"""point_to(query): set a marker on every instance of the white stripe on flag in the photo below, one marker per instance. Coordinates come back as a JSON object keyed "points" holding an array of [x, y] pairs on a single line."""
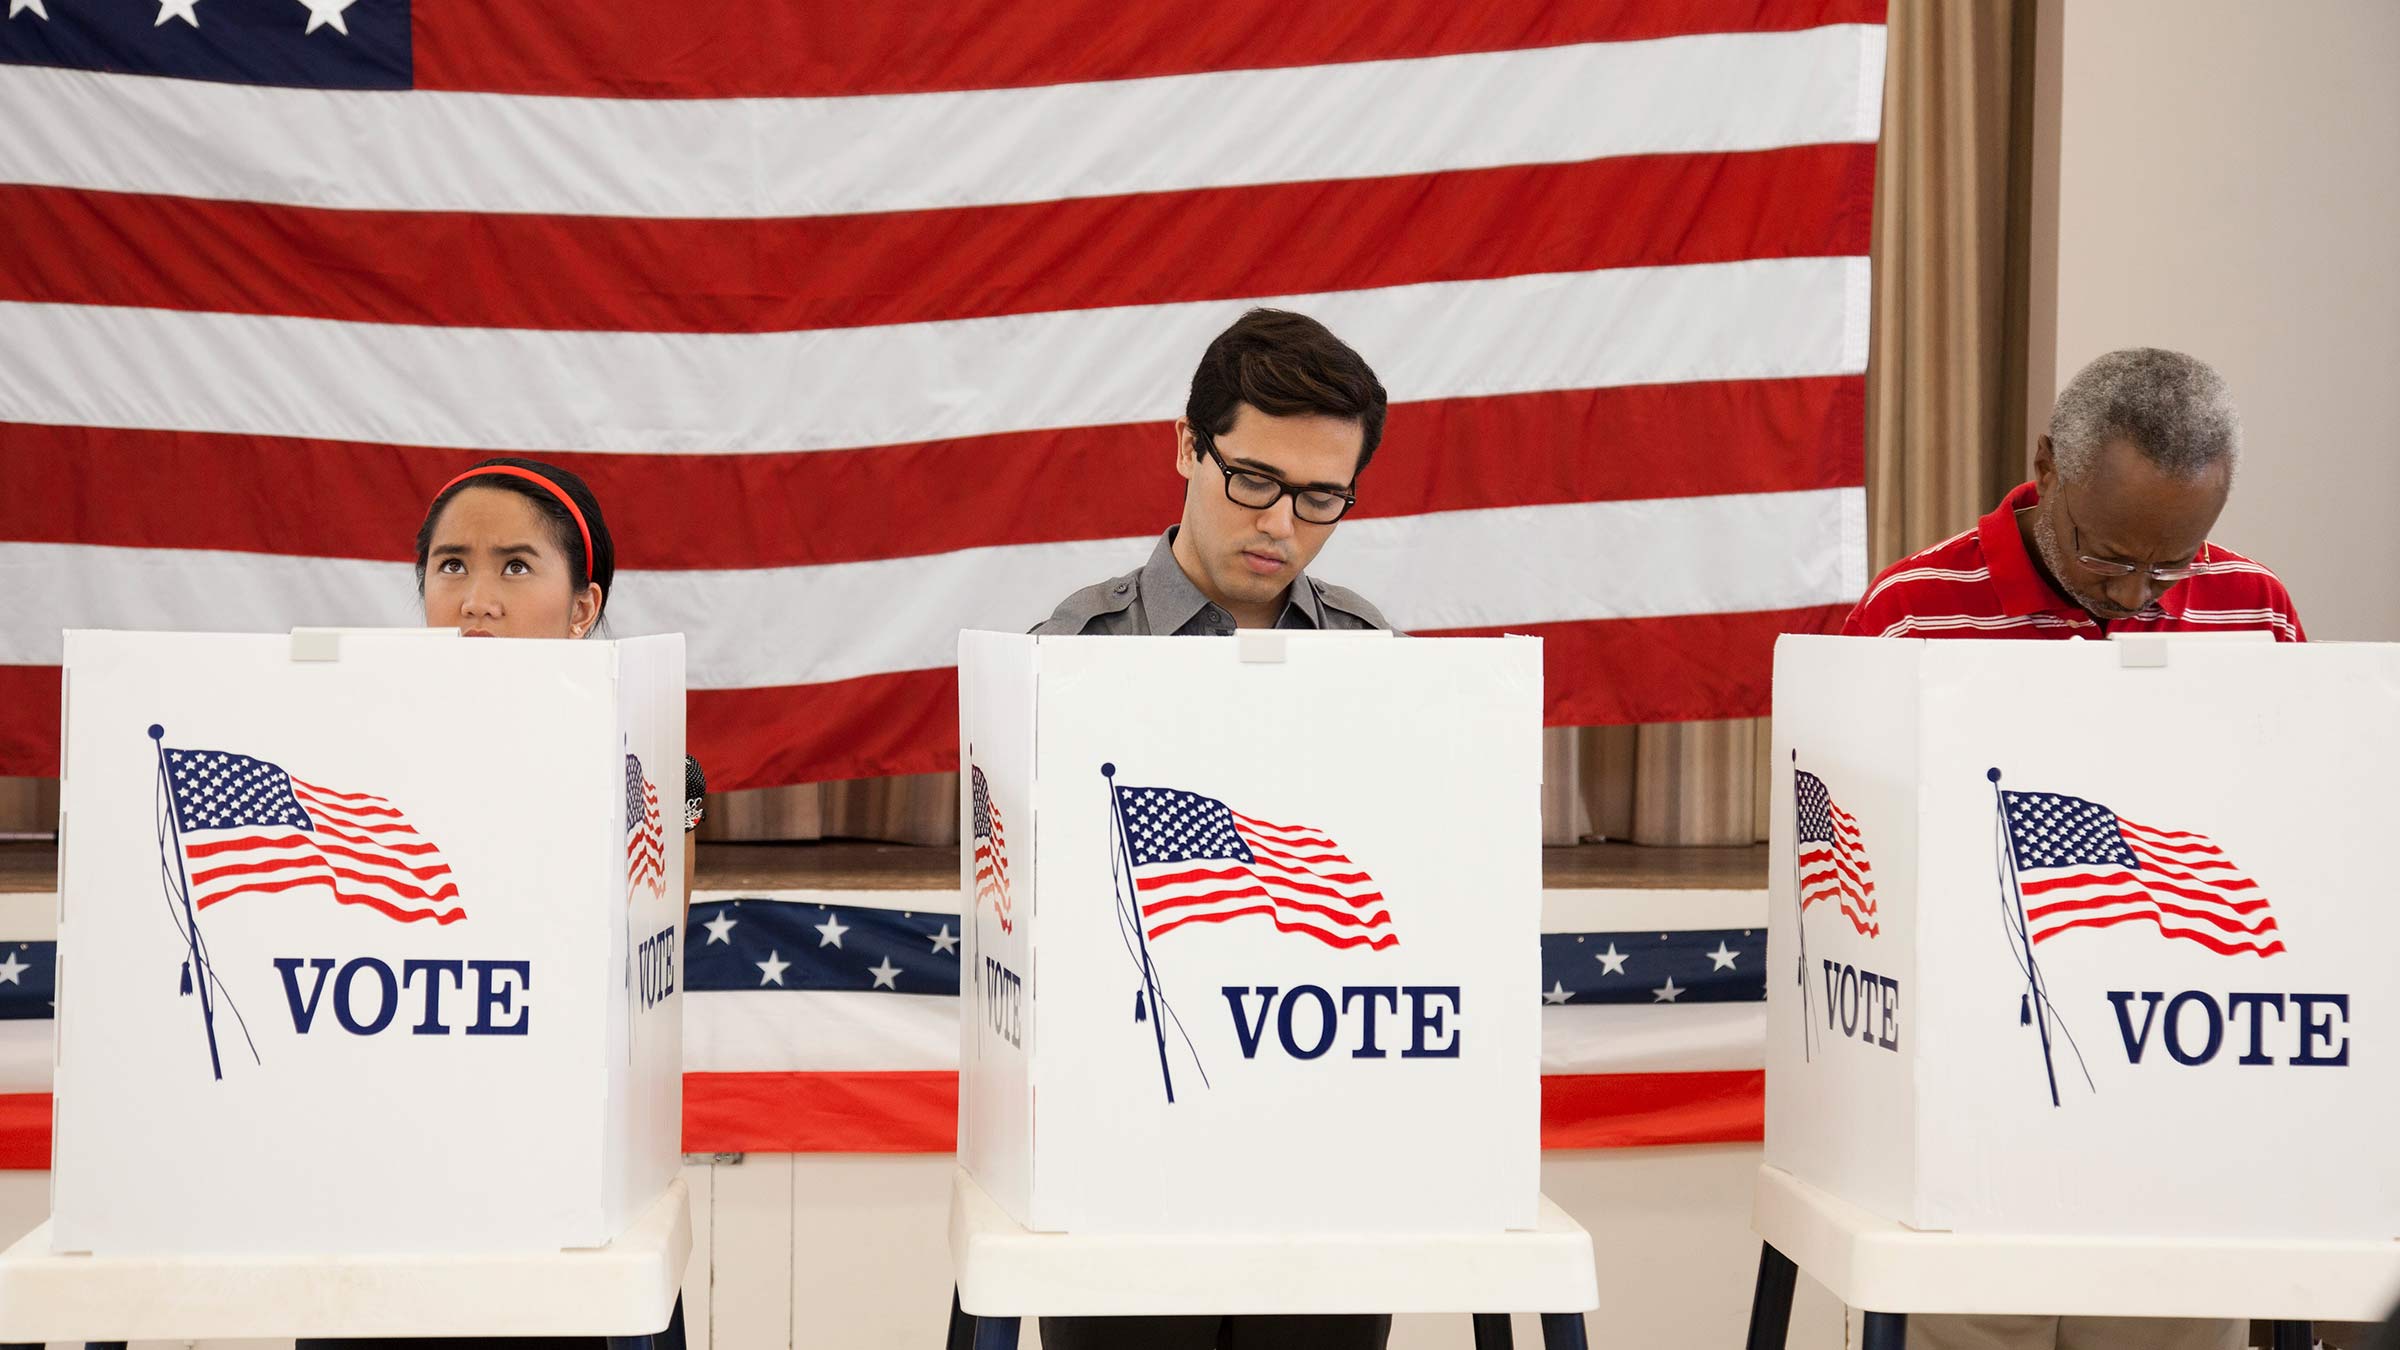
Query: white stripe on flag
{"points": [[536, 390], [1535, 564], [830, 156]]}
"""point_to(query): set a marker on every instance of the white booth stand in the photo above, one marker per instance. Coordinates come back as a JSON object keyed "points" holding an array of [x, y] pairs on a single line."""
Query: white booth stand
{"points": [[367, 1018], [1249, 1022], [2084, 952]]}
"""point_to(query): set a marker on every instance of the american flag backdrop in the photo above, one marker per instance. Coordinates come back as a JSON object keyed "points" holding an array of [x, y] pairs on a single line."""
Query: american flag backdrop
{"points": [[1195, 860], [866, 322], [248, 827], [2080, 865]]}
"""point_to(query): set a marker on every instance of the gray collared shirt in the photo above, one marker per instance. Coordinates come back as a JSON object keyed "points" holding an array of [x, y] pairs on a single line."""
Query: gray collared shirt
{"points": [[1158, 600]]}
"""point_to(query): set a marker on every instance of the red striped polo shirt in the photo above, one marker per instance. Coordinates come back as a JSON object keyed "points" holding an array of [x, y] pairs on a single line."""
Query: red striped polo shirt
{"points": [[1984, 584]]}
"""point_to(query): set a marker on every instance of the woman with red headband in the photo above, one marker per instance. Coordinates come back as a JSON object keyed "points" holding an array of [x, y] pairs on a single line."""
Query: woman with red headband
{"points": [[517, 548]]}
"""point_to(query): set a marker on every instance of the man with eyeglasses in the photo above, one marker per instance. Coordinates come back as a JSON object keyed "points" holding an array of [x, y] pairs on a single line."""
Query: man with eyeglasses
{"points": [[2110, 537], [2112, 534], [1281, 421]]}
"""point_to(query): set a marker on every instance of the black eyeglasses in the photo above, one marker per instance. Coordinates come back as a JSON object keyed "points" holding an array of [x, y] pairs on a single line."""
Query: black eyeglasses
{"points": [[1257, 491]]}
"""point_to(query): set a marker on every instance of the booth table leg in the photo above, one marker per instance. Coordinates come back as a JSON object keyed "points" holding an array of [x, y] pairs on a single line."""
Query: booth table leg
{"points": [[2295, 1335], [969, 1332], [669, 1339], [1885, 1331], [1492, 1332], [962, 1327], [1562, 1331], [1771, 1302]]}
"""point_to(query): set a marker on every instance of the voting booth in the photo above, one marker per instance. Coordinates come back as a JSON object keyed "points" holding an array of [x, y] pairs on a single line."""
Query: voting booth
{"points": [[366, 943], [2088, 938], [1253, 932]]}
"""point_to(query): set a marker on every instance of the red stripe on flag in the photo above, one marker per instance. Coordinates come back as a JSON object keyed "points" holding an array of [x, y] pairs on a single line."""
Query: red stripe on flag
{"points": [[742, 275], [819, 48], [25, 1131], [871, 727], [1637, 1110], [861, 1112], [1274, 914], [1682, 668], [29, 718], [203, 490]]}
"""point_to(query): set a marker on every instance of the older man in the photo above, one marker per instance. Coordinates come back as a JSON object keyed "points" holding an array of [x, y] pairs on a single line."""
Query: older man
{"points": [[2112, 534], [2110, 537]]}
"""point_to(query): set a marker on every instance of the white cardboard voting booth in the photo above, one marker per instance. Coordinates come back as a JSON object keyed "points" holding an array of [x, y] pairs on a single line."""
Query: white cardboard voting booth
{"points": [[1253, 932], [366, 942], [2137, 984]]}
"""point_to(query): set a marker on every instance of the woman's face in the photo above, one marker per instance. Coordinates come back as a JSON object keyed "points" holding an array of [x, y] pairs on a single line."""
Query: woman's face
{"points": [[494, 569]]}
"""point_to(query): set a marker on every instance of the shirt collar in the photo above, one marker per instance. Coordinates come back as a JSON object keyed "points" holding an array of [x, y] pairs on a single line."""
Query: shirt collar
{"points": [[2019, 584], [1171, 600]]}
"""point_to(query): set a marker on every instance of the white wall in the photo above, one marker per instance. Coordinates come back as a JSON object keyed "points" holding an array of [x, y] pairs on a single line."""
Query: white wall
{"points": [[2223, 177], [848, 1251]]}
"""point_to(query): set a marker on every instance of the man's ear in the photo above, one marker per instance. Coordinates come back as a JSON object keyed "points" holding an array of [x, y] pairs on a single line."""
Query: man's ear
{"points": [[2045, 467], [1187, 449]]}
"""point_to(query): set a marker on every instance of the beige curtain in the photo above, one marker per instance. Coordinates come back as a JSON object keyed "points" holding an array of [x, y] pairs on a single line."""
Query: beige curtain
{"points": [[1945, 437]]}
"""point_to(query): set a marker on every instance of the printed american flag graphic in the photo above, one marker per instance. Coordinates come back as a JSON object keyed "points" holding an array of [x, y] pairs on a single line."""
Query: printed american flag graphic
{"points": [[2081, 865], [248, 827], [991, 854], [875, 313], [1833, 859], [645, 837], [1196, 860]]}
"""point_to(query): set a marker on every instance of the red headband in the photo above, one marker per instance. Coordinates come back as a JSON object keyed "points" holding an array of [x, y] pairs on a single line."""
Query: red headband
{"points": [[512, 471]]}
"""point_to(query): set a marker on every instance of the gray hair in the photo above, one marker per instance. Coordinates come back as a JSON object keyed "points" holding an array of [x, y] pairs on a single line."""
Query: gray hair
{"points": [[2169, 406]]}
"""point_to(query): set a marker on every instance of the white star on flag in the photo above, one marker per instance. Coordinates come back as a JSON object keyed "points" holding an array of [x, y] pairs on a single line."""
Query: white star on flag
{"points": [[1612, 961], [1722, 956], [720, 928], [1666, 993], [771, 970], [179, 9], [945, 940], [16, 7], [11, 968], [829, 933], [323, 12], [884, 974], [1558, 993]]}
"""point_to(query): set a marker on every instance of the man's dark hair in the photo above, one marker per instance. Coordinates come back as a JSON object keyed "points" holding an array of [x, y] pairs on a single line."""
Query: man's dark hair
{"points": [[1285, 365]]}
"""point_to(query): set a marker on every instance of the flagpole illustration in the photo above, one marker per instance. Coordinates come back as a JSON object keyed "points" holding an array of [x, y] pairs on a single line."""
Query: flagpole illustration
{"points": [[1124, 846], [1808, 1016], [2037, 1004], [197, 970]]}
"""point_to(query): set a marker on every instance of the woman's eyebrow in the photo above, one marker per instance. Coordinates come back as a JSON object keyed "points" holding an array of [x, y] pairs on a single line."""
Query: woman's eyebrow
{"points": [[461, 550]]}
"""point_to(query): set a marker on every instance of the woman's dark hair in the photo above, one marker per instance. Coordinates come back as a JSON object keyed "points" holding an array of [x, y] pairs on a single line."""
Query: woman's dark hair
{"points": [[600, 568], [1285, 365]]}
